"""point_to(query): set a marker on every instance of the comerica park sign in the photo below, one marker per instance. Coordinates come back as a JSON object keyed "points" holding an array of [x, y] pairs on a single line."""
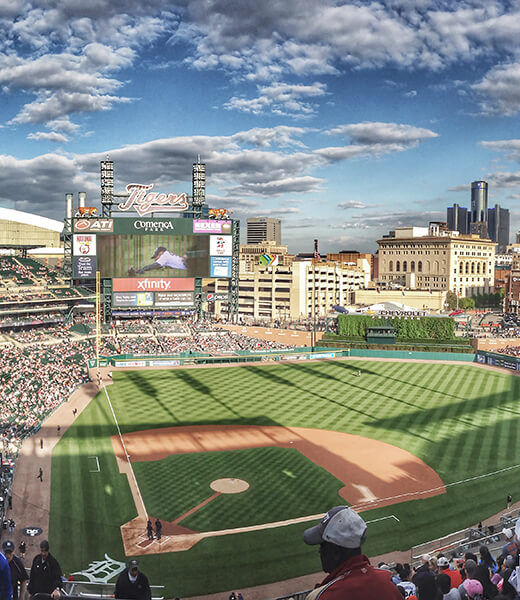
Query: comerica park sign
{"points": [[145, 202]]}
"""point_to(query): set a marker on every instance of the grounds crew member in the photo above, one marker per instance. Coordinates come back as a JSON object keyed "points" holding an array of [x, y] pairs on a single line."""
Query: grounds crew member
{"points": [[132, 584], [340, 536], [19, 575], [45, 577]]}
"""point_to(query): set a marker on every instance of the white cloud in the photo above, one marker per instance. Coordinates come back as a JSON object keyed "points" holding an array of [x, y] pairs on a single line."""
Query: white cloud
{"points": [[511, 148], [376, 133], [51, 136], [500, 90], [263, 137], [354, 204], [280, 98]]}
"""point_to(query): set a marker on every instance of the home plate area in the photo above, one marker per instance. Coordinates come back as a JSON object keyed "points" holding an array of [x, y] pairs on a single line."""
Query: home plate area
{"points": [[374, 473]]}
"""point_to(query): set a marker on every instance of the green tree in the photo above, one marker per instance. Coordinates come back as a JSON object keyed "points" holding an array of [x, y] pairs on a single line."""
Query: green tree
{"points": [[466, 303], [451, 300]]}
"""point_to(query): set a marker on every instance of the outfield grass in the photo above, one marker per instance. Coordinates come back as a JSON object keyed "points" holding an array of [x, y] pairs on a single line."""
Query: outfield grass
{"points": [[461, 420]]}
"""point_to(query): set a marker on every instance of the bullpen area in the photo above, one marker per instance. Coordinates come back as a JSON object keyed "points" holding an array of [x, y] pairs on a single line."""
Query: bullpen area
{"points": [[236, 462]]}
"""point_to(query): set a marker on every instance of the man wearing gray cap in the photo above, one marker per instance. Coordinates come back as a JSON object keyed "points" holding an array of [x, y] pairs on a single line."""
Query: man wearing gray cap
{"points": [[350, 574]]}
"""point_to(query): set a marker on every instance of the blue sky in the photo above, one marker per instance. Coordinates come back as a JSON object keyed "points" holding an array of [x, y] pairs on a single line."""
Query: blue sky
{"points": [[345, 120]]}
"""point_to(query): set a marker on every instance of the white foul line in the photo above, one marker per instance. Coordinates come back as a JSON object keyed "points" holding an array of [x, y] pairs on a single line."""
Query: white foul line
{"points": [[126, 452]]}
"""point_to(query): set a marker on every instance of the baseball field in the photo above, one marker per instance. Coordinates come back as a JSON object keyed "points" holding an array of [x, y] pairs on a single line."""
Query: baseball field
{"points": [[236, 462]]}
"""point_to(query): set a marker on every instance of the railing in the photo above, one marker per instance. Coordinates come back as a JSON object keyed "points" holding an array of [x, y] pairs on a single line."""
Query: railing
{"points": [[469, 539]]}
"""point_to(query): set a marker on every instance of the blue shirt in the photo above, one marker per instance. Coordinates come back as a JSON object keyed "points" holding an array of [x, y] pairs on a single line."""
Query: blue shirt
{"points": [[6, 589]]}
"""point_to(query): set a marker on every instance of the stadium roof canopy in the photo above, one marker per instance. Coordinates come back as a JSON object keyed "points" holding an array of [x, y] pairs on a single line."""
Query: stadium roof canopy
{"points": [[9, 214]]}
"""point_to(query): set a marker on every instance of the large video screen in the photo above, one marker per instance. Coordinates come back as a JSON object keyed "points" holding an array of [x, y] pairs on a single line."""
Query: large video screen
{"points": [[155, 255]]}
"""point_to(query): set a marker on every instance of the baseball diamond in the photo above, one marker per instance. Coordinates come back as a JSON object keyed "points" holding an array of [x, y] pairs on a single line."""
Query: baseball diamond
{"points": [[404, 442]]}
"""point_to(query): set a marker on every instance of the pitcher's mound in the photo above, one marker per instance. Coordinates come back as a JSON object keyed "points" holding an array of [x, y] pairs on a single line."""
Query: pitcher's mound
{"points": [[229, 485]]}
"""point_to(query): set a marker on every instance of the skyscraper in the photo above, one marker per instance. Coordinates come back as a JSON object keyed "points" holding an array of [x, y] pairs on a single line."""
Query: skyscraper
{"points": [[479, 198], [264, 229], [458, 219], [498, 226]]}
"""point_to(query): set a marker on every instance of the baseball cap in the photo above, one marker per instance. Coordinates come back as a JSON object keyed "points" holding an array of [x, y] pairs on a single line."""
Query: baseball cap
{"points": [[157, 250], [44, 545], [508, 534], [341, 526], [472, 587], [133, 563], [442, 561], [8, 546]]}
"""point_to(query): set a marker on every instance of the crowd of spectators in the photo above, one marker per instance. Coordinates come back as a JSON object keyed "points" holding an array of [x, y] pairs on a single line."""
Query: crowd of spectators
{"points": [[40, 368], [472, 576], [509, 350]]}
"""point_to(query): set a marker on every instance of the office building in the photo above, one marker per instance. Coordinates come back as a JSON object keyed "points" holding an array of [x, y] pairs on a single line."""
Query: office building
{"points": [[264, 229], [479, 200], [458, 219], [266, 253], [498, 226], [428, 258], [303, 289]]}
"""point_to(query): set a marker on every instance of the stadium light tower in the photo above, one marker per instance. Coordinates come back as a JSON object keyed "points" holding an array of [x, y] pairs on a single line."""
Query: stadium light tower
{"points": [[107, 186], [198, 182]]}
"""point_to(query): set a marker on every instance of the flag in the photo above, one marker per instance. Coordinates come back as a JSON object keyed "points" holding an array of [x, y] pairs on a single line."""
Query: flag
{"points": [[317, 255]]}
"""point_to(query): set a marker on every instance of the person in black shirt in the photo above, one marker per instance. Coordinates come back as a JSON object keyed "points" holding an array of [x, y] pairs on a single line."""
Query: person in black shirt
{"points": [[18, 573], [132, 584], [46, 573]]}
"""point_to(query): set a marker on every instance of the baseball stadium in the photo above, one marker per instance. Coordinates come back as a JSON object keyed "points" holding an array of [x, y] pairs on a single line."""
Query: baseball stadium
{"points": [[134, 427]]}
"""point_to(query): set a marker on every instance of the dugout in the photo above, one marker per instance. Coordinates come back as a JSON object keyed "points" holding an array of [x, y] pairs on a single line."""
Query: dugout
{"points": [[381, 335]]}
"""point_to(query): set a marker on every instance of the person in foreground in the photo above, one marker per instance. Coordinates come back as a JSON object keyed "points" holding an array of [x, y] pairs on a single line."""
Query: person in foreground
{"points": [[350, 575], [132, 584]]}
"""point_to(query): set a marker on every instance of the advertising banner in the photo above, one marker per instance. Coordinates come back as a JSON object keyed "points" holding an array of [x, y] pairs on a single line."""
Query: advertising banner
{"points": [[174, 299], [102, 225], [268, 260], [84, 267], [153, 284], [146, 226], [220, 266], [84, 245], [133, 299], [221, 245], [124, 299], [211, 226]]}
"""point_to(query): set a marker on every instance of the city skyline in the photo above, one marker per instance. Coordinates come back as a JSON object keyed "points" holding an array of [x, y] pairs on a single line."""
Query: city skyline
{"points": [[343, 120]]}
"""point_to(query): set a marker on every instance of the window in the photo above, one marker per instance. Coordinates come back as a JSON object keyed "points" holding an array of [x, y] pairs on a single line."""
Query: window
{"points": [[412, 266], [405, 265], [397, 266], [391, 265], [419, 266]]}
